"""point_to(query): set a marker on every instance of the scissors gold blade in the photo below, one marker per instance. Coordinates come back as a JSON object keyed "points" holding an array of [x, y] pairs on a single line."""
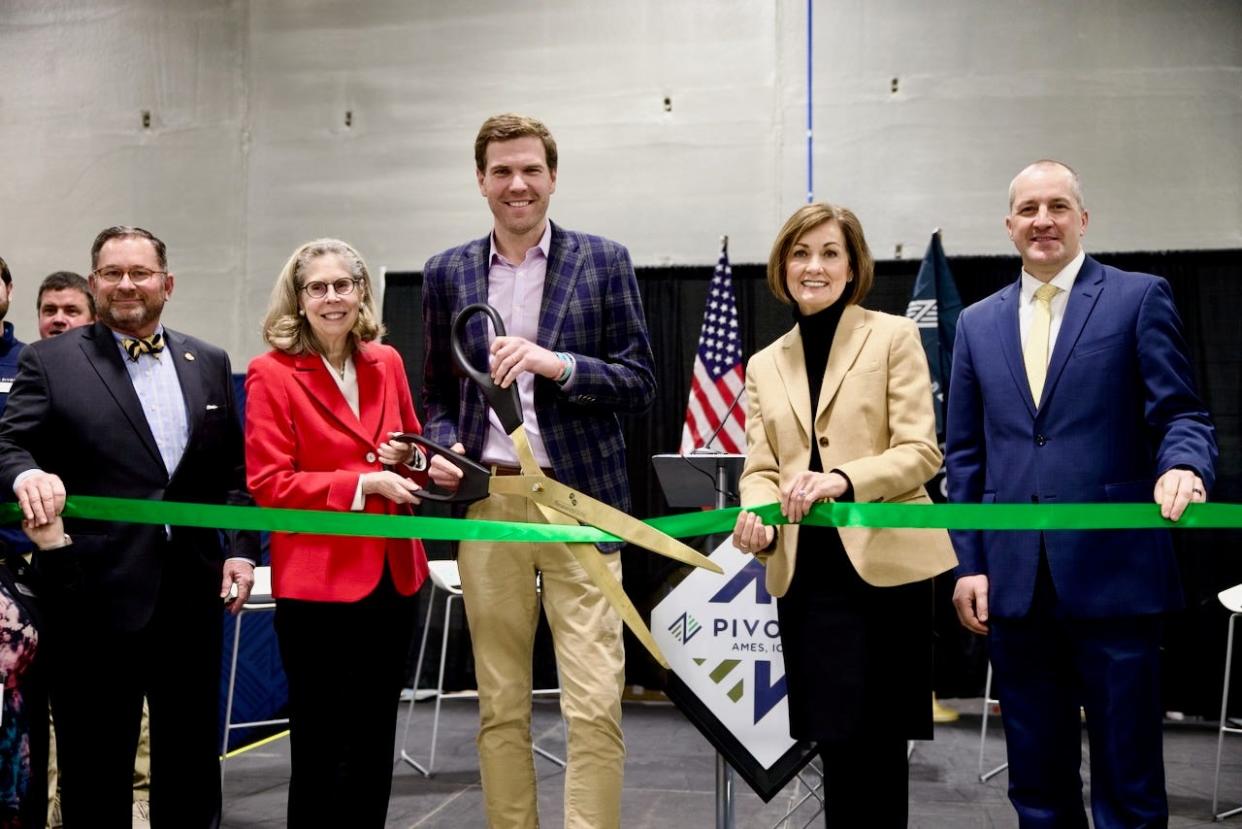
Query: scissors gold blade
{"points": [[584, 509], [553, 498]]}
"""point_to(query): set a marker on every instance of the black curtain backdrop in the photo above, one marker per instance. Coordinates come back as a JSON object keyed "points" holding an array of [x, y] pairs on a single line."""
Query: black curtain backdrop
{"points": [[1208, 292]]}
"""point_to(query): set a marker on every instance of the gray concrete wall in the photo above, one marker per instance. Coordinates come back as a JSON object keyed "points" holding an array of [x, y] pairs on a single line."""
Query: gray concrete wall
{"points": [[248, 153]]}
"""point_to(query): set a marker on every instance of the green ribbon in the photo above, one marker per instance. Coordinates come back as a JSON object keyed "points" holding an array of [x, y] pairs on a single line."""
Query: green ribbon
{"points": [[837, 514]]}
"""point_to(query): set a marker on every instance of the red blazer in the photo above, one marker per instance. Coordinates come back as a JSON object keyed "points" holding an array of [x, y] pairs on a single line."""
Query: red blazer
{"points": [[305, 450]]}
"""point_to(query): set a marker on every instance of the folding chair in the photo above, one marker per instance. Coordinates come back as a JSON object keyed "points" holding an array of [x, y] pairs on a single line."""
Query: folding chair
{"points": [[446, 579], [259, 601]]}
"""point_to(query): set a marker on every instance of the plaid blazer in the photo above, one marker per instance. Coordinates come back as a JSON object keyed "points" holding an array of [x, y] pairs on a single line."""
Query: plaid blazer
{"points": [[590, 308]]}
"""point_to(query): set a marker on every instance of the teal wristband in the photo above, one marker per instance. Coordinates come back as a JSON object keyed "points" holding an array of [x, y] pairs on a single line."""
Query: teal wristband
{"points": [[567, 367]]}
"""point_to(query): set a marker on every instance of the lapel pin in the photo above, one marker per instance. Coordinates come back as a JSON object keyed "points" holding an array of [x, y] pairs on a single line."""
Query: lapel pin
{"points": [[189, 356]]}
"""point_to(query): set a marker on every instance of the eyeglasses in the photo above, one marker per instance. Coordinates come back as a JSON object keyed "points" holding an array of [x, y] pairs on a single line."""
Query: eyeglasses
{"points": [[136, 275], [319, 290]]}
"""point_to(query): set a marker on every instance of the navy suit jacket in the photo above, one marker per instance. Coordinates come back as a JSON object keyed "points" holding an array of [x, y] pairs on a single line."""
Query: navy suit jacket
{"points": [[1119, 409], [73, 411], [590, 308]]}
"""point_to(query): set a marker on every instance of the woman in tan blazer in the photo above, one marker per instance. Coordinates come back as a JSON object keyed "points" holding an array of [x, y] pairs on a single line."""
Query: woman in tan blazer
{"points": [[841, 408]]}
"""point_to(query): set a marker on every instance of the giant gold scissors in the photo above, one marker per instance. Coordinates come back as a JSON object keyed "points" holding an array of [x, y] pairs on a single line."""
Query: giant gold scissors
{"points": [[550, 495]]}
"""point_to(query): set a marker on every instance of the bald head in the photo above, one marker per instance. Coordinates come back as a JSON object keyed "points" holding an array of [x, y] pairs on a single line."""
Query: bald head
{"points": [[1049, 165]]}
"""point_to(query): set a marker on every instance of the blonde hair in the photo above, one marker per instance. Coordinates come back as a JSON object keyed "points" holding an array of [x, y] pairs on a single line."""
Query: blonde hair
{"points": [[807, 218], [284, 329]]}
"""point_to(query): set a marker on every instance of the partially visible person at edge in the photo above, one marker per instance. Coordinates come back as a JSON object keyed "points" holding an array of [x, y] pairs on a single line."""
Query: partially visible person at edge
{"points": [[841, 408], [23, 709], [10, 346], [578, 352], [24, 750], [1072, 384], [321, 409]]}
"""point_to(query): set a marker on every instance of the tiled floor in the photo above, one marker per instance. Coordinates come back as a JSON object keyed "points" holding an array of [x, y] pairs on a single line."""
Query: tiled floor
{"points": [[670, 776]]}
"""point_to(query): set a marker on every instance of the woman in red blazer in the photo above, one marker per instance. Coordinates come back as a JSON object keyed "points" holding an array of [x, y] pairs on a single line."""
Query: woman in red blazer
{"points": [[320, 410]]}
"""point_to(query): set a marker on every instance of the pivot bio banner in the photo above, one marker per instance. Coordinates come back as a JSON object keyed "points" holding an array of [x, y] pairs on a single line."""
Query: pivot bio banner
{"points": [[722, 639]]}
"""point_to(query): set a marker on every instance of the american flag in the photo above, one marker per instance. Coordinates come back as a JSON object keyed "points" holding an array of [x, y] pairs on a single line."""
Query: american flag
{"points": [[718, 390]]}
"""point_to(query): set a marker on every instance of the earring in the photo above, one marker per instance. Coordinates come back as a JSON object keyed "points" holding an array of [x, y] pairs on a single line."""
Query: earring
{"points": [[301, 312]]}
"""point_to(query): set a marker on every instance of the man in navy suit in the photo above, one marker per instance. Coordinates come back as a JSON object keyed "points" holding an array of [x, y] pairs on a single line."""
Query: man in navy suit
{"points": [[132, 409], [1073, 385], [578, 350]]}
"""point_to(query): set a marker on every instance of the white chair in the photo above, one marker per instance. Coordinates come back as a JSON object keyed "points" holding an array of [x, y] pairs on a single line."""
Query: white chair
{"points": [[1232, 600], [260, 601], [445, 578], [988, 702]]}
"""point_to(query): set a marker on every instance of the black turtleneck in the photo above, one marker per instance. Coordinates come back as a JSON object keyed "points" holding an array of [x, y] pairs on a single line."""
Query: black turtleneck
{"points": [[817, 331]]}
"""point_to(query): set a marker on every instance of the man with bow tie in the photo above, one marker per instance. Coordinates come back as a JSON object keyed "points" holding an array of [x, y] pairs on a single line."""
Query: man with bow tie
{"points": [[129, 408]]}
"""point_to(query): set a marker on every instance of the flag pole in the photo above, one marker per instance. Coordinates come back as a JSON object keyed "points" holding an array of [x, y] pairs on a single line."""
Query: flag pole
{"points": [[716, 407], [941, 713]]}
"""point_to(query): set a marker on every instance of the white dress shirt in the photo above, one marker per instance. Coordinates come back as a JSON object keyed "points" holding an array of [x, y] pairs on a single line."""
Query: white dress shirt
{"points": [[347, 382]]}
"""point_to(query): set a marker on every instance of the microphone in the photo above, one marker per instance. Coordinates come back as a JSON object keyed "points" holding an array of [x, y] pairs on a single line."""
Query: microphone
{"points": [[704, 449]]}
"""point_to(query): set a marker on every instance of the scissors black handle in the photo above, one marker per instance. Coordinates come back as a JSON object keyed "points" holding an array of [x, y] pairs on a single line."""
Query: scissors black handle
{"points": [[504, 402], [475, 481]]}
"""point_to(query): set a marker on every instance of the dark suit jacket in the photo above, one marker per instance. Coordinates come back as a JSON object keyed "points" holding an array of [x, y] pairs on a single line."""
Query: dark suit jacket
{"points": [[1119, 409], [592, 309], [73, 412]]}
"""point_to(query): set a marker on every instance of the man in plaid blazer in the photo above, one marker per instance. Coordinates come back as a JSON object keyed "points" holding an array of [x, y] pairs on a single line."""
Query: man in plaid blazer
{"points": [[577, 347]]}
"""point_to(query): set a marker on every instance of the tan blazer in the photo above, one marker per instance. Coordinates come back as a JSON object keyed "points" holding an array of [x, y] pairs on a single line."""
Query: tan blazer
{"points": [[874, 422]]}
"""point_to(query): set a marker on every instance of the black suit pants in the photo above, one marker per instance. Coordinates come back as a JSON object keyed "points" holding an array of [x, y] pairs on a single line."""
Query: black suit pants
{"points": [[346, 663], [98, 678], [866, 782]]}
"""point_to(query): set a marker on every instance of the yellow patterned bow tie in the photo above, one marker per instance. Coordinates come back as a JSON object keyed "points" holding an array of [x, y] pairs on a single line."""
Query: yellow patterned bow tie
{"points": [[135, 348]]}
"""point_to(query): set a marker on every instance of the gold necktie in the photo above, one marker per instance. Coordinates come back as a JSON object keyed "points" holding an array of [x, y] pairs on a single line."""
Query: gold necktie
{"points": [[1035, 355]]}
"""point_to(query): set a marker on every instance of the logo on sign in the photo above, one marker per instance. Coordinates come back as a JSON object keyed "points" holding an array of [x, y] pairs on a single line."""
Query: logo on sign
{"points": [[736, 667], [750, 634], [684, 628]]}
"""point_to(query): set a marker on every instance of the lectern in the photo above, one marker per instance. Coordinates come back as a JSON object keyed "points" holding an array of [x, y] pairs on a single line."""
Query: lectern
{"points": [[697, 480]]}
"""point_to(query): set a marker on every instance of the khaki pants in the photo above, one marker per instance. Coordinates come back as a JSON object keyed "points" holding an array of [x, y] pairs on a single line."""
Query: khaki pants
{"points": [[498, 580], [142, 759]]}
